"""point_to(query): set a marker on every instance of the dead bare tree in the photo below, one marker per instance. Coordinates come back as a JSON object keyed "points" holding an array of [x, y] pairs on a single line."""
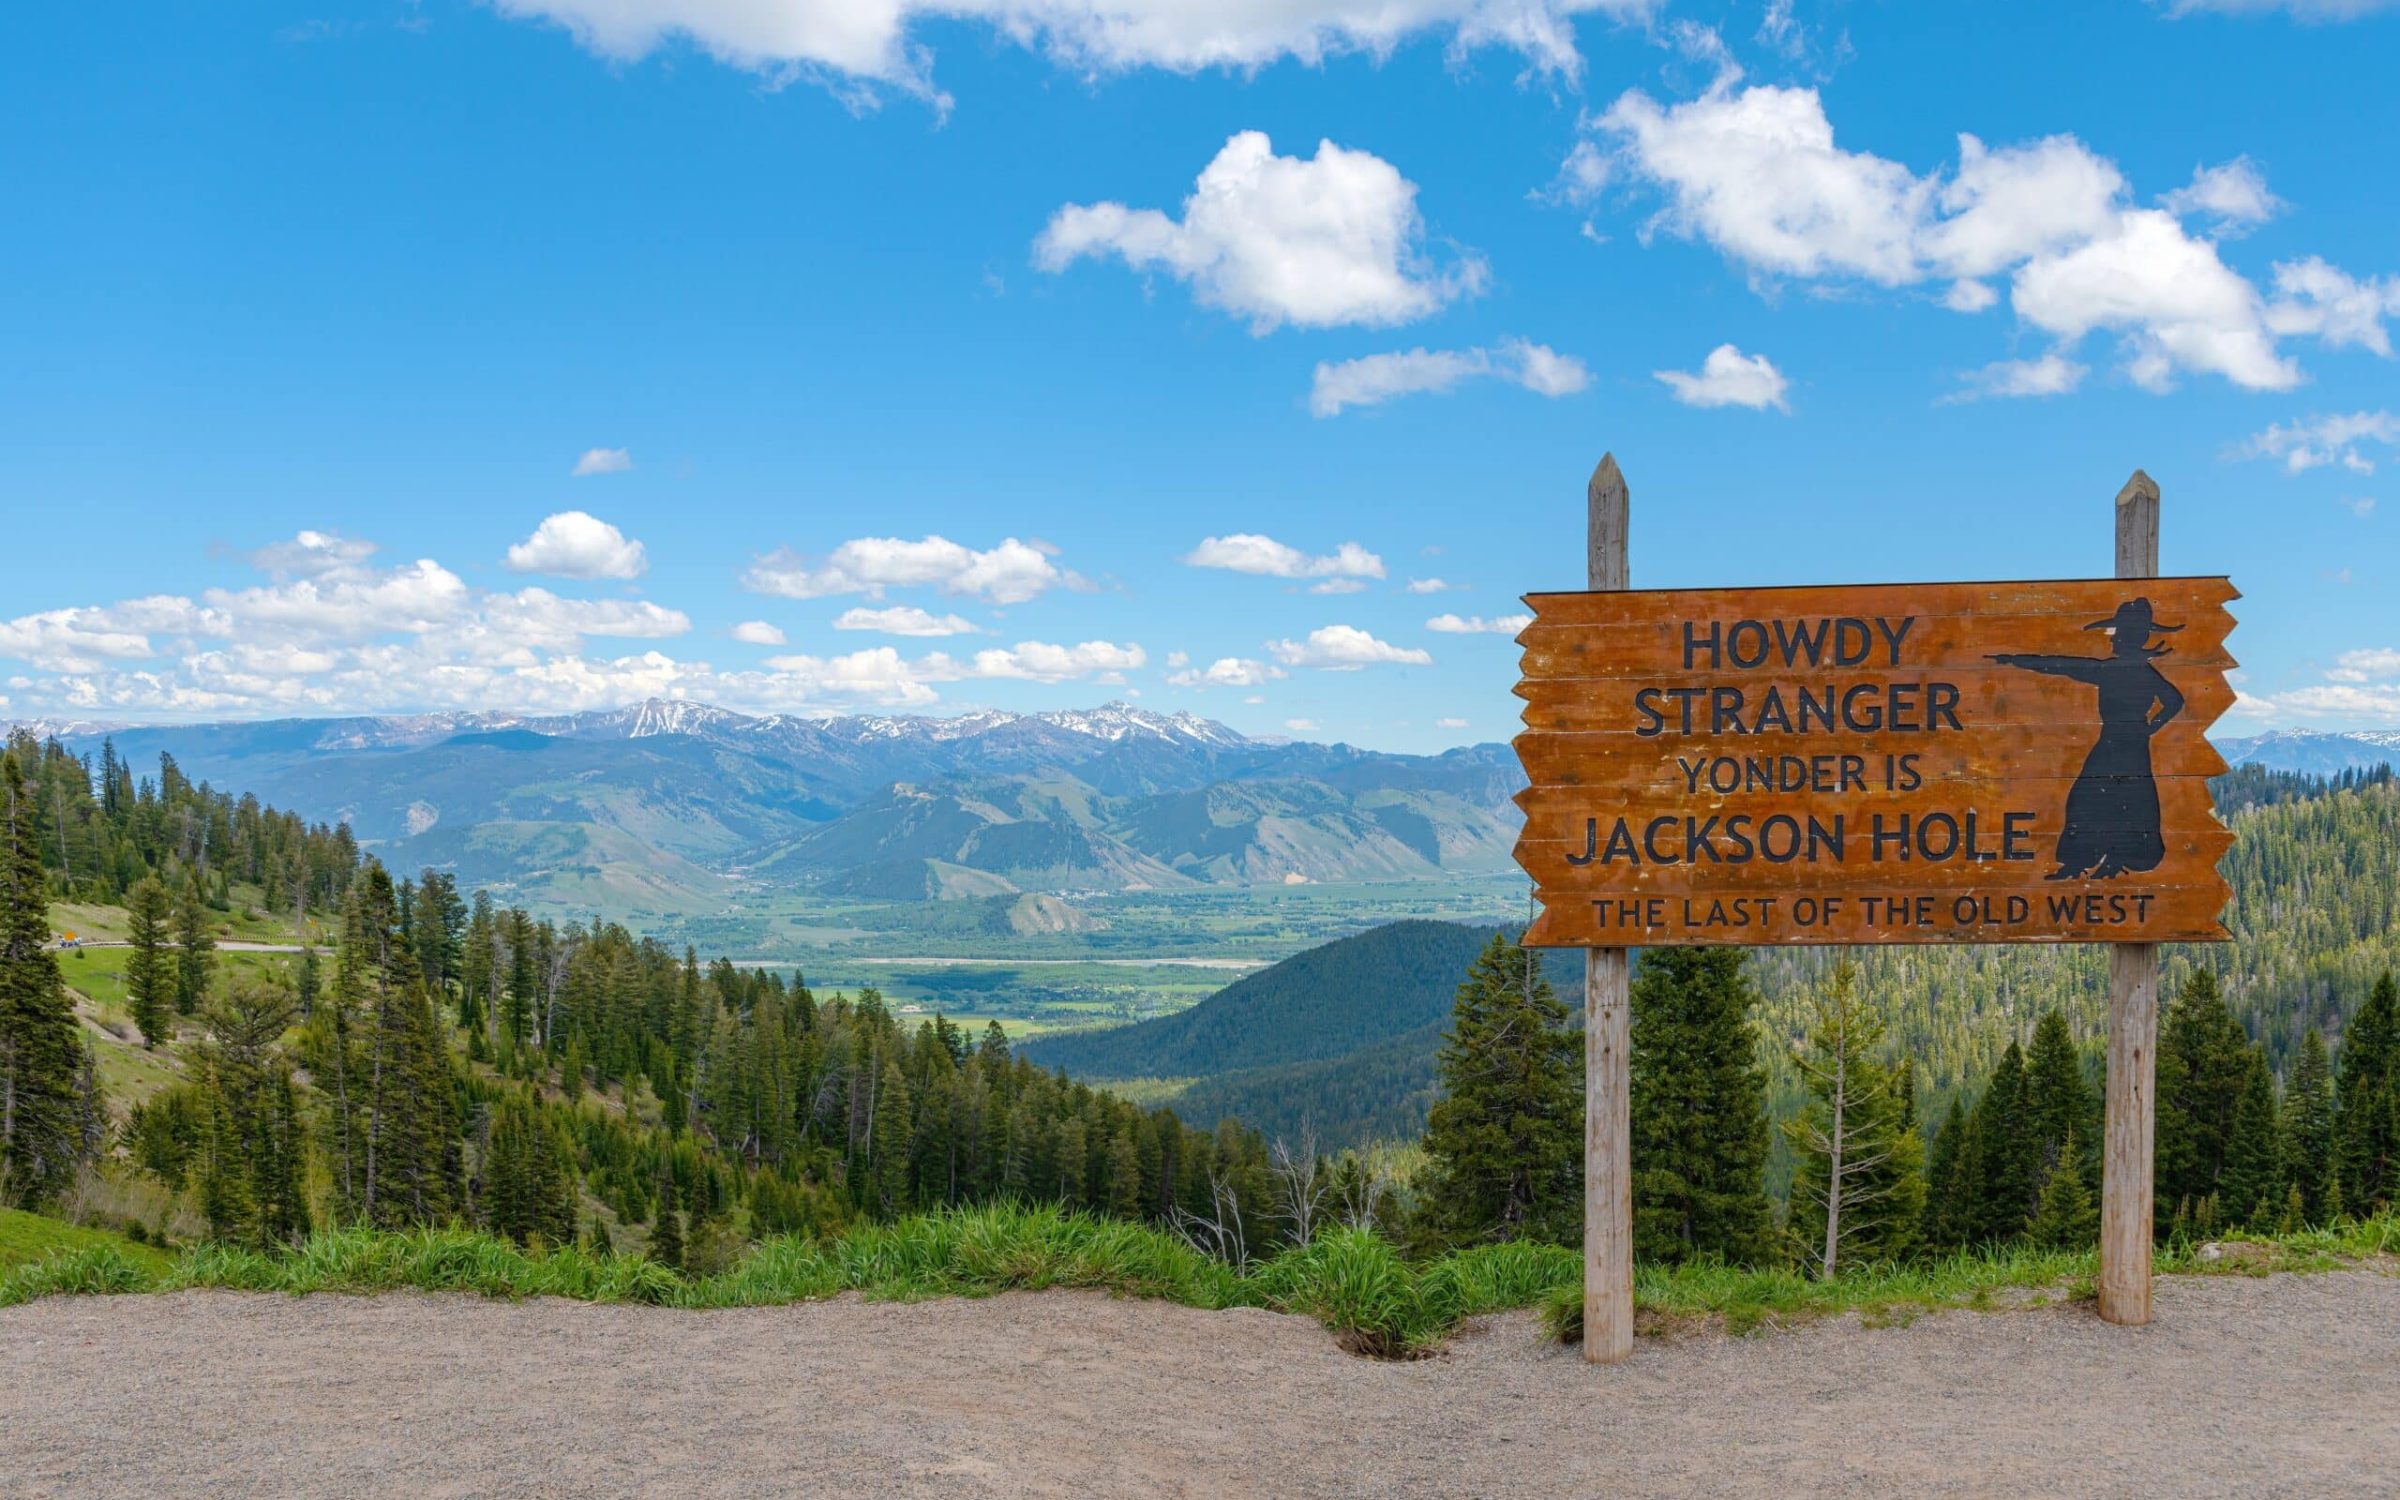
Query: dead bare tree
{"points": [[1851, 1136], [1300, 1189], [1219, 1231], [1361, 1191]]}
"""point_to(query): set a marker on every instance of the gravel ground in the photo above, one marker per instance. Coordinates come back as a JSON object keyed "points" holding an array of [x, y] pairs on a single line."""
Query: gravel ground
{"points": [[2276, 1386]]}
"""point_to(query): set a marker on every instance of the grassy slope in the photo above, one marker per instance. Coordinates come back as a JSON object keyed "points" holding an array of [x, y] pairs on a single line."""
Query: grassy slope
{"points": [[1352, 1281], [129, 1072], [29, 1239]]}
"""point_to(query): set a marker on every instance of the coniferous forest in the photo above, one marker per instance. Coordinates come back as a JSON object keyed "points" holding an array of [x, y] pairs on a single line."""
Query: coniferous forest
{"points": [[444, 1059]]}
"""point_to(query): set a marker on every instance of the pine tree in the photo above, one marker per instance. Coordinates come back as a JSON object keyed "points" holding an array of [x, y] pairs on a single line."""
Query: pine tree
{"points": [[529, 1192], [195, 948], [2059, 1103], [251, 1162], [149, 987], [1950, 1199], [2203, 1066], [1124, 1175], [1858, 1189], [2308, 1129], [892, 1135], [2251, 1190], [1699, 1110], [2066, 1217], [666, 1235], [2009, 1166], [1503, 1141], [40, 1053], [2369, 1092]]}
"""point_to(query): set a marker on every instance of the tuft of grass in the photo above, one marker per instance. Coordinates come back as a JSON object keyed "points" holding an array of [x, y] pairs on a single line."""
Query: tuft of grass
{"points": [[92, 1271]]}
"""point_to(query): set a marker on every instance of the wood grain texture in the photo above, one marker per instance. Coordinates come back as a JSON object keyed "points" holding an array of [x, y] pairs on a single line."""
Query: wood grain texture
{"points": [[1607, 1156], [1692, 745], [2129, 1126], [1607, 1026]]}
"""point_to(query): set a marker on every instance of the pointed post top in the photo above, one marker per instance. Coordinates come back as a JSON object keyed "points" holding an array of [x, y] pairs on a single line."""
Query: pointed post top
{"points": [[2137, 527], [1607, 511]]}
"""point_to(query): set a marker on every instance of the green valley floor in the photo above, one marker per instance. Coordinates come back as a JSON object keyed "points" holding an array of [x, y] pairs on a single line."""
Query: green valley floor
{"points": [[2245, 1385]]}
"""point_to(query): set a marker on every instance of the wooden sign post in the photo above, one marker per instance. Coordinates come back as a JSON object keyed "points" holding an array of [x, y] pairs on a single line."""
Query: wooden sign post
{"points": [[1889, 763]]}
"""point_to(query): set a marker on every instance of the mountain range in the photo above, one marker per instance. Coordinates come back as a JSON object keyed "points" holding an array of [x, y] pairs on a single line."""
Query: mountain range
{"points": [[675, 806], [2317, 752], [668, 806]]}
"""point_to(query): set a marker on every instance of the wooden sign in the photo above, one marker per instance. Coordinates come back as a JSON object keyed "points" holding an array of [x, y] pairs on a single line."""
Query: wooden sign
{"points": [[1901, 763]]}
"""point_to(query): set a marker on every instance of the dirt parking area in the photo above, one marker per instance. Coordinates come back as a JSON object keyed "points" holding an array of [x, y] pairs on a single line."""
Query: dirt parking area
{"points": [[2243, 1386]]}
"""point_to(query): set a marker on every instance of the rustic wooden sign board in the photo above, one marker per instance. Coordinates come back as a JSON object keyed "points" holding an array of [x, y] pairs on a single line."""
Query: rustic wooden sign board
{"points": [[1898, 763]]}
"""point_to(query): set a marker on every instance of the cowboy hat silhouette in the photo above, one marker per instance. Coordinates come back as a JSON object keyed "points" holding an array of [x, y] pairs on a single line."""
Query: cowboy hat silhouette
{"points": [[2133, 623]]}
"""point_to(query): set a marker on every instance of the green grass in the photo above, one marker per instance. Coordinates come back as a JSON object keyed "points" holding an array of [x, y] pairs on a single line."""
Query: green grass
{"points": [[1353, 1282], [29, 1239]]}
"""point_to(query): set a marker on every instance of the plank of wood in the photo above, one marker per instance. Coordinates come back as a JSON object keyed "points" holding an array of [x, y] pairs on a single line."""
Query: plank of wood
{"points": [[1652, 778], [2126, 1185], [1607, 1026], [1607, 1156]]}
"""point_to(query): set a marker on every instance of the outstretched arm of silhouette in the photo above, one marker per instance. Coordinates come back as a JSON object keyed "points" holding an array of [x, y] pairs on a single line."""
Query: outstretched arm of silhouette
{"points": [[2170, 703], [2081, 668]]}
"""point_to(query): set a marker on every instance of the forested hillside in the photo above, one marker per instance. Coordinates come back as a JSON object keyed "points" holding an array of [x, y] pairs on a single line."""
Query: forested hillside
{"points": [[1323, 1003], [454, 1061], [1344, 1035]]}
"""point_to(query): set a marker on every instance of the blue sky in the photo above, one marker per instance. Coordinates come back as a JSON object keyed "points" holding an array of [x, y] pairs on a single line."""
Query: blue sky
{"points": [[1052, 325]]}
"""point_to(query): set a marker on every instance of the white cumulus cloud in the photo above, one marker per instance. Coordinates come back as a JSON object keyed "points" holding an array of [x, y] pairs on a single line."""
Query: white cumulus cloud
{"points": [[1758, 174], [1316, 242], [1377, 378], [2234, 194], [902, 619], [1010, 573], [2051, 374], [758, 633], [1345, 648], [856, 46], [601, 461], [1477, 624], [577, 544], [1227, 671], [1263, 556], [2314, 442], [1728, 377]]}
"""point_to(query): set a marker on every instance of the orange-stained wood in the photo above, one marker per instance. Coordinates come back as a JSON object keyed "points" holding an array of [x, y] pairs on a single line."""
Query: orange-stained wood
{"points": [[1981, 762]]}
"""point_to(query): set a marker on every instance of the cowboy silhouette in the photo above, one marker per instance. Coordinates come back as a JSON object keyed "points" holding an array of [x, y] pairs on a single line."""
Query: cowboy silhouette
{"points": [[2112, 810]]}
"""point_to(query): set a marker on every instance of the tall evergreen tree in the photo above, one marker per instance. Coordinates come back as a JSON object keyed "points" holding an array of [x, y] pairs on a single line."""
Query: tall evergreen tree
{"points": [[892, 1137], [2059, 1102], [2369, 1094], [528, 1188], [40, 1054], [195, 946], [2203, 1066], [2065, 1217], [2250, 1193], [252, 1164], [1699, 1110], [1504, 1140], [149, 983], [2009, 1166], [1951, 1197], [2308, 1130]]}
